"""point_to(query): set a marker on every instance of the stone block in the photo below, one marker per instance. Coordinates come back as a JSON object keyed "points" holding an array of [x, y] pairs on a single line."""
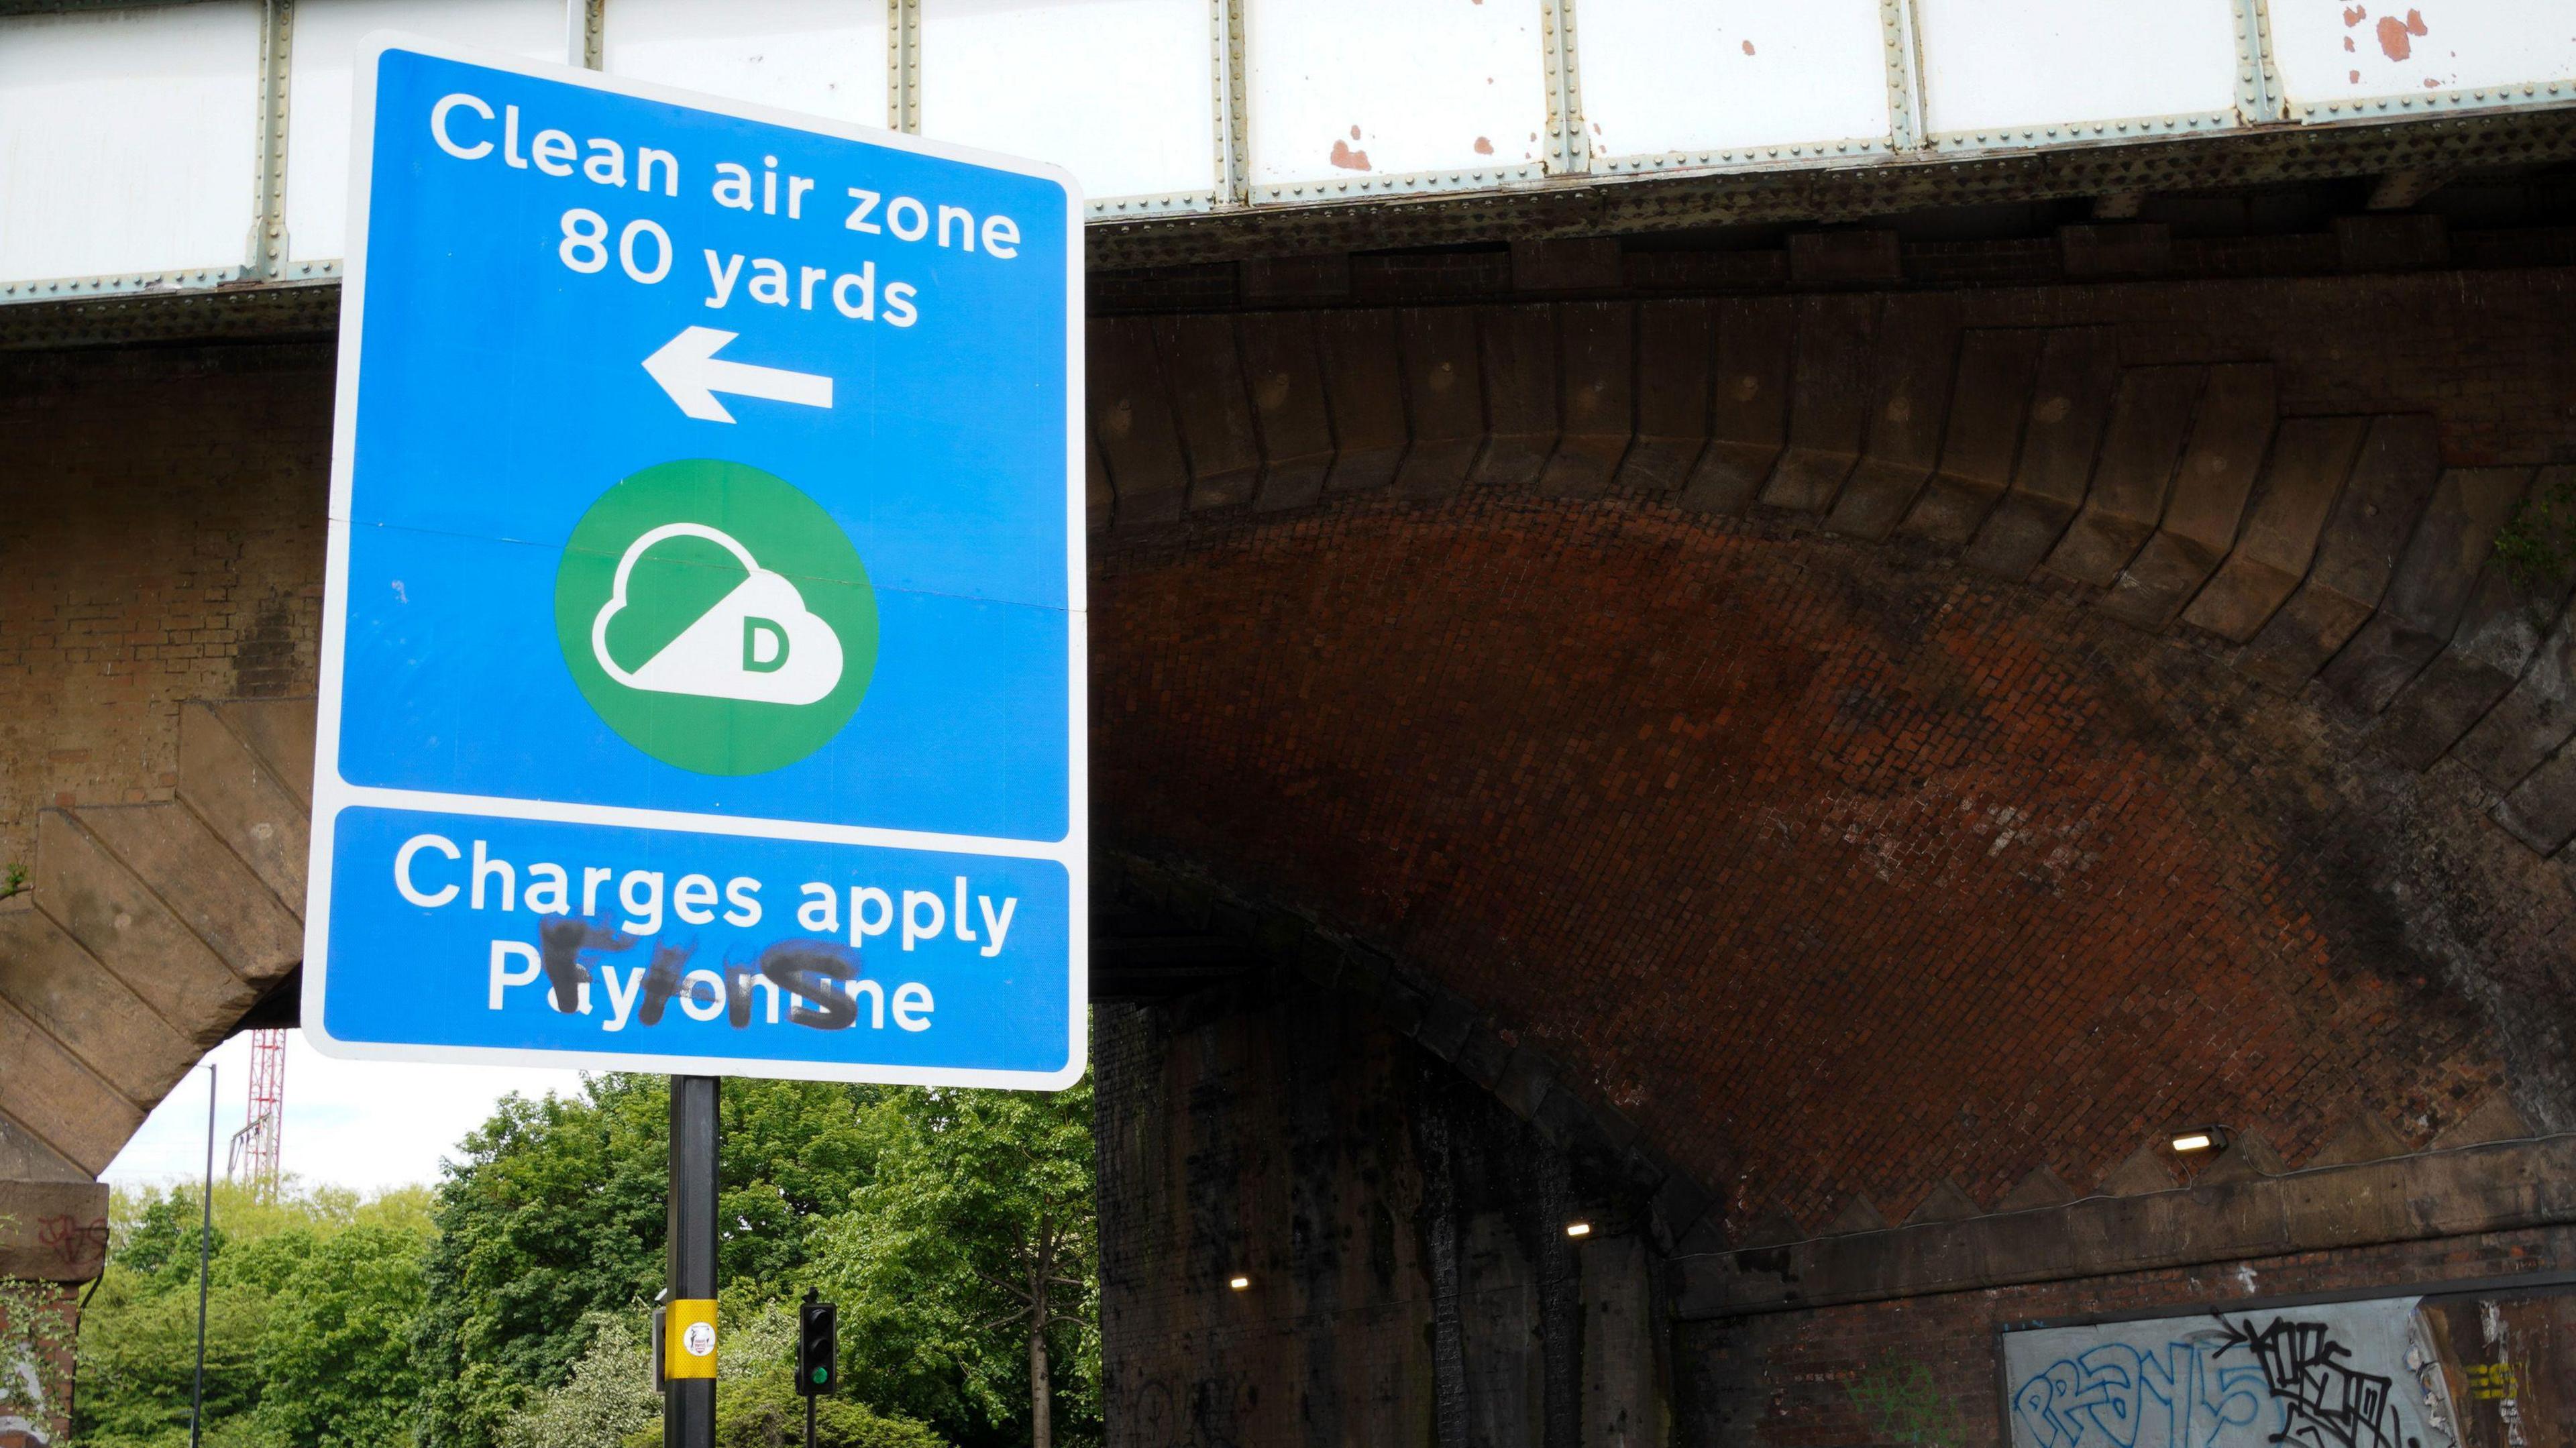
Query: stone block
{"points": [[1444, 397], [1916, 348], [1988, 403], [115, 917], [2497, 637], [65, 992], [1446, 1023], [58, 1100], [1748, 408], [1211, 406], [2041, 1188], [1521, 422], [1526, 1078], [279, 731], [2079, 370], [243, 801], [2492, 1120], [2311, 458], [52, 1231], [1562, 1121], [209, 888], [1857, 1214], [1566, 264], [1829, 396], [2246, 1157], [2143, 1171], [1400, 1005], [1674, 358], [1364, 393], [2141, 447], [2430, 588], [1482, 1056], [2535, 718], [1131, 419], [2541, 810], [1946, 1202], [1286, 377], [1596, 405], [1680, 1203], [2391, 480], [1615, 1131], [23, 1157], [2230, 431]]}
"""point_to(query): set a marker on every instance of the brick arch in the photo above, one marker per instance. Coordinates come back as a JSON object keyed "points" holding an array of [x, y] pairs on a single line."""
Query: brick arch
{"points": [[1888, 776]]}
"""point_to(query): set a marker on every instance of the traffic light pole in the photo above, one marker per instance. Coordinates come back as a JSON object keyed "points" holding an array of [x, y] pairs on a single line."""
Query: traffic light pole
{"points": [[689, 1356]]}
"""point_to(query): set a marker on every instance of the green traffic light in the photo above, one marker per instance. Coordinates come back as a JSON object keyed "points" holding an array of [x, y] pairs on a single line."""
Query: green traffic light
{"points": [[822, 1375]]}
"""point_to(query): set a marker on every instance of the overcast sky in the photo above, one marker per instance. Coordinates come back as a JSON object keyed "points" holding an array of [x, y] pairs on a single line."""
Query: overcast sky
{"points": [[362, 1124]]}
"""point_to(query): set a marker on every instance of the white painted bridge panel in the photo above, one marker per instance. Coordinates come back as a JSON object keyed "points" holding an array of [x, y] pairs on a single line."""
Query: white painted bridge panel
{"points": [[128, 139], [2347, 53], [1699, 77], [821, 57], [2015, 65], [1120, 92], [130, 148], [1349, 95]]}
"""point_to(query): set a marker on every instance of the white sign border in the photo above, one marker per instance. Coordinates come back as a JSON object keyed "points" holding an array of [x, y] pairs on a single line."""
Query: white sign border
{"points": [[332, 794]]}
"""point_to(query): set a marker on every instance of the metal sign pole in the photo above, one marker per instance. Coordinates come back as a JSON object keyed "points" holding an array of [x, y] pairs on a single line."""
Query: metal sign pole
{"points": [[205, 1257], [689, 1336]]}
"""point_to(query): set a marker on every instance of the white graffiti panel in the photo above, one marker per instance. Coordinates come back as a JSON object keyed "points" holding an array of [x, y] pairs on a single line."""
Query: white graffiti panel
{"points": [[2347, 1375]]}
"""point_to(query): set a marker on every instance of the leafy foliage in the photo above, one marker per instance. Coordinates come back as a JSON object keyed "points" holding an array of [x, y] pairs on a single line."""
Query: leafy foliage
{"points": [[554, 1217], [309, 1304], [507, 1308], [980, 1218], [608, 1398], [2539, 542]]}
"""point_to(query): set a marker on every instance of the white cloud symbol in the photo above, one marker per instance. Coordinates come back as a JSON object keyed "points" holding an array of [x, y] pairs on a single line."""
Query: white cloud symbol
{"points": [[758, 644]]}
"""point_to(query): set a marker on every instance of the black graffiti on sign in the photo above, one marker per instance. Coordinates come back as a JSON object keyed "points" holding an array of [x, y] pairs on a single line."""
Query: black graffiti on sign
{"points": [[2328, 1404]]}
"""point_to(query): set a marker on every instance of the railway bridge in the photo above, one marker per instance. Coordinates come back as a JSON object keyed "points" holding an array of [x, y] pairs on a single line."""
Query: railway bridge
{"points": [[1745, 668]]}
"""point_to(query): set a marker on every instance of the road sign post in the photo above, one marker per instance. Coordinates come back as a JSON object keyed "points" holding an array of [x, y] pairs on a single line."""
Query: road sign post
{"points": [[689, 1342], [702, 646], [702, 660]]}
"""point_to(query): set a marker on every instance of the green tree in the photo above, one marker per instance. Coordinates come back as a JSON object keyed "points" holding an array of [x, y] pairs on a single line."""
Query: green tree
{"points": [[335, 1361], [553, 1217], [608, 1398], [966, 1270], [280, 1272]]}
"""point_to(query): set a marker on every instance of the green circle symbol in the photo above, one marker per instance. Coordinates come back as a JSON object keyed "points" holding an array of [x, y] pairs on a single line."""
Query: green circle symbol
{"points": [[716, 617]]}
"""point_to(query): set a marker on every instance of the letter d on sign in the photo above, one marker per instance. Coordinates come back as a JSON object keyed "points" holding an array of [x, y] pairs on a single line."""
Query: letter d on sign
{"points": [[764, 645]]}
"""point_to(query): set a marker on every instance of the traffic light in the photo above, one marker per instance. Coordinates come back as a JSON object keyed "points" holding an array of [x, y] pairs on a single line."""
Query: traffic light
{"points": [[818, 1346]]}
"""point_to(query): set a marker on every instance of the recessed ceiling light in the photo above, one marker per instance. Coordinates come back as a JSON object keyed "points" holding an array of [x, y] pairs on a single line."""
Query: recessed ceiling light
{"points": [[1238, 1283], [1578, 1229]]}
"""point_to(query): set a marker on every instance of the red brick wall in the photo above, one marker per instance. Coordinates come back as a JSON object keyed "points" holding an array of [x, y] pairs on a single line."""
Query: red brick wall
{"points": [[1842, 871], [1788, 1380], [1827, 860], [161, 540]]}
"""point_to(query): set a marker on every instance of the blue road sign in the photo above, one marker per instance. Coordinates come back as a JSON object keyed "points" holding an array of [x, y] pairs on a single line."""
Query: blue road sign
{"points": [[702, 656]]}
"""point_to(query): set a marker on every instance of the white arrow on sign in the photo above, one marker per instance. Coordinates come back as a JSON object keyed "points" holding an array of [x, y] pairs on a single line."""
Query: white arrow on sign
{"points": [[688, 369]]}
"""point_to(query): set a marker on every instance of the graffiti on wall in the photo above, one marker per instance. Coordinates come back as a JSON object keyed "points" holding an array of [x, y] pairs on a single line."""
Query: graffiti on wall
{"points": [[2395, 1372], [1906, 1406]]}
